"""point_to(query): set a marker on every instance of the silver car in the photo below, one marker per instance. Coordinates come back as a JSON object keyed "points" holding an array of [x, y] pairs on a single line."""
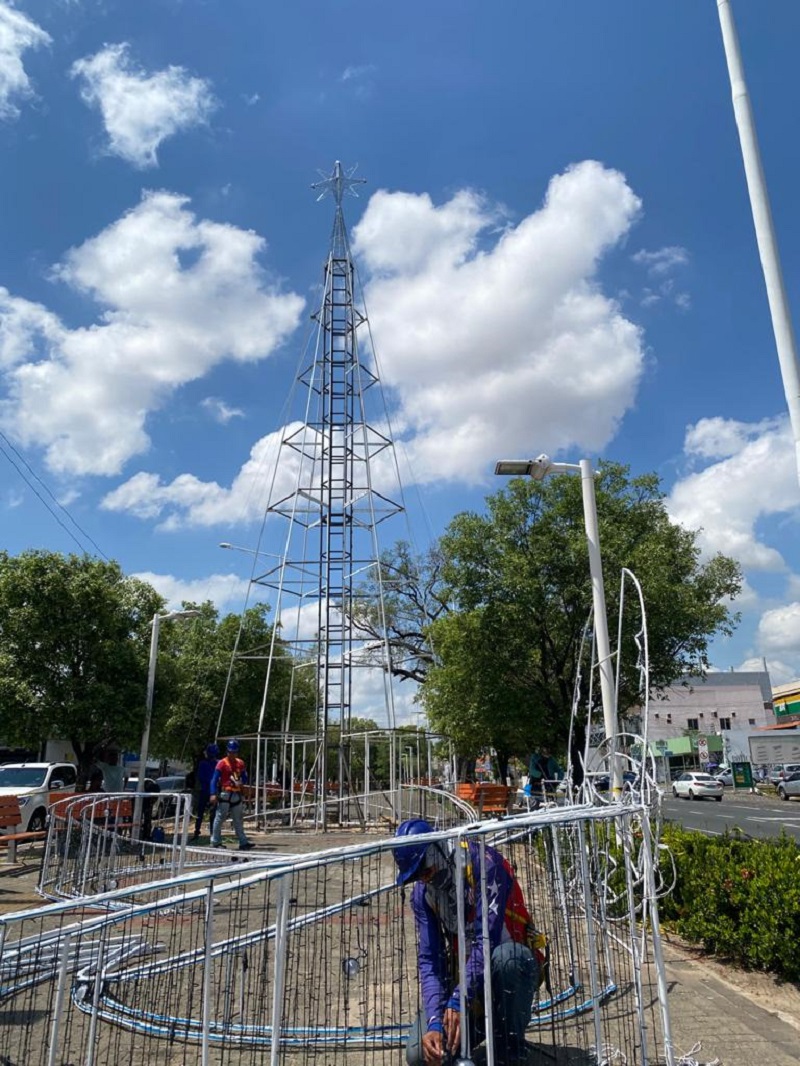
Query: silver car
{"points": [[696, 785], [781, 771], [789, 786]]}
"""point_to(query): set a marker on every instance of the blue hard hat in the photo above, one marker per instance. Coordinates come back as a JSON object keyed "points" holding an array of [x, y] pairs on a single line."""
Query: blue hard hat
{"points": [[212, 751], [409, 859], [232, 746]]}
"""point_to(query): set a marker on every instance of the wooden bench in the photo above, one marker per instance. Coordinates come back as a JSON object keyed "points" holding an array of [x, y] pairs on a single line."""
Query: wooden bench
{"points": [[116, 813], [487, 799], [10, 818]]}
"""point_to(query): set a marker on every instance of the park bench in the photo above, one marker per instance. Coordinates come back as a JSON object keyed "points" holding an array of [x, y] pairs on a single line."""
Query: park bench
{"points": [[116, 811], [487, 799], [10, 818]]}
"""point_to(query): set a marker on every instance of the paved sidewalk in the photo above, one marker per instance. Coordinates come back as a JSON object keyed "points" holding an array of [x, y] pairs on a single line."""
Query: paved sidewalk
{"points": [[732, 1026]]}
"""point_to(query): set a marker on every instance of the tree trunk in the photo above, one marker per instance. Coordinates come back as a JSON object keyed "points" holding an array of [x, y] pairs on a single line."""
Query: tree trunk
{"points": [[85, 756]]}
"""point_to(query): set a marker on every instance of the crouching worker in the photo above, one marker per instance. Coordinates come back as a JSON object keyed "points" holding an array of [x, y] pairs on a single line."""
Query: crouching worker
{"points": [[515, 967]]}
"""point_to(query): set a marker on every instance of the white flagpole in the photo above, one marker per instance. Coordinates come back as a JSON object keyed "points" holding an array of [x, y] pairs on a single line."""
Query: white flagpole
{"points": [[762, 219]]}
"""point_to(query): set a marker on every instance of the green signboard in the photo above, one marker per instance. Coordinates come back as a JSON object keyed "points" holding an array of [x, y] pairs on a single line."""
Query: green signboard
{"points": [[742, 775], [786, 710]]}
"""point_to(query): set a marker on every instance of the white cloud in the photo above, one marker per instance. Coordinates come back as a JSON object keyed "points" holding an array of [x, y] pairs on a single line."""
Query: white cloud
{"points": [[501, 345], [180, 295], [369, 698], [189, 501], [660, 265], [141, 110], [226, 591], [17, 35], [779, 631], [779, 671], [355, 73], [662, 261], [753, 476], [219, 410]]}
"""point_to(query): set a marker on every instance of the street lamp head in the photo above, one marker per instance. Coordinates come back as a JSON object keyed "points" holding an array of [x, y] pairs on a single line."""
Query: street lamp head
{"points": [[536, 468], [168, 617]]}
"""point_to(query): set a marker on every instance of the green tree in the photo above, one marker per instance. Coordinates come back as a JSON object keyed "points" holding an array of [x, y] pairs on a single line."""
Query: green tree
{"points": [[198, 667], [518, 580], [74, 645]]}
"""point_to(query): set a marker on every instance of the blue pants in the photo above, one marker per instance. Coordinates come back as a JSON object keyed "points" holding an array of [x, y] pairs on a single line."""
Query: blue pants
{"points": [[515, 978], [224, 808], [203, 805]]}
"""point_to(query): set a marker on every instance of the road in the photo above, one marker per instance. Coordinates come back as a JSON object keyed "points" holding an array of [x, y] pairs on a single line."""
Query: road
{"points": [[757, 816]]}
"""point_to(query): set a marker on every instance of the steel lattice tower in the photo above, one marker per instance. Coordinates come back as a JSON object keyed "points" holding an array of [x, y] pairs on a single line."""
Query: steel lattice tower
{"points": [[331, 548]]}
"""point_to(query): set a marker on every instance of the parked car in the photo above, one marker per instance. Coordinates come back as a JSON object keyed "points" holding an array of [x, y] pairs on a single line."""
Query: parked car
{"points": [[782, 770], [173, 783], [725, 776], [790, 786], [132, 784], [695, 785], [32, 783]]}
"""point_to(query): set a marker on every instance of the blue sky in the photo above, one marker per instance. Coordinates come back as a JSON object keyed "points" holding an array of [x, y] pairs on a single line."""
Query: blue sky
{"points": [[555, 242]]}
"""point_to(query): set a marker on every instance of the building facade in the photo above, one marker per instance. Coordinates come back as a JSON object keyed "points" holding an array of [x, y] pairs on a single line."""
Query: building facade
{"points": [[786, 699], [719, 703]]}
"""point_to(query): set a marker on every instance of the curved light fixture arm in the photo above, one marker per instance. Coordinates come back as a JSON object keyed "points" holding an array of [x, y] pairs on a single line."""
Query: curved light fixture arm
{"points": [[643, 659]]}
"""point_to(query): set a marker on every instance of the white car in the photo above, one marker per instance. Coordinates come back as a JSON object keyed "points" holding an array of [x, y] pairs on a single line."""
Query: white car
{"points": [[789, 786], [32, 783], [695, 785], [725, 776]]}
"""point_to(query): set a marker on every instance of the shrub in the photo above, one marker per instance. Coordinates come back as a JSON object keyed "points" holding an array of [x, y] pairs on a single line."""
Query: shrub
{"points": [[736, 897]]}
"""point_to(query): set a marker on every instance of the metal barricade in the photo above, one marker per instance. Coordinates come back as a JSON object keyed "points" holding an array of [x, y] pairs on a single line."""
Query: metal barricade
{"points": [[316, 956]]}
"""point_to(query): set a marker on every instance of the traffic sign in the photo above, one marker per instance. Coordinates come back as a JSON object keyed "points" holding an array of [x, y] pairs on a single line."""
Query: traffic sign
{"points": [[702, 749]]}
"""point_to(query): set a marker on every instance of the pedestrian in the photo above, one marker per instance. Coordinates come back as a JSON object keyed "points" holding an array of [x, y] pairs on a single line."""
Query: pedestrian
{"points": [[95, 782], [201, 792], [148, 804], [518, 959], [227, 782], [107, 761]]}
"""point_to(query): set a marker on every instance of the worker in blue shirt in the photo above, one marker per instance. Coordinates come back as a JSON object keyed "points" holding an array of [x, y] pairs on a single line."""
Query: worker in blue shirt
{"points": [[517, 951], [202, 788]]}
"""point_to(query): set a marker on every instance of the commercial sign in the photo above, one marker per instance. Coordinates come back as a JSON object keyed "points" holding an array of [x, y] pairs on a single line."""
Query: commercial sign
{"points": [[775, 748], [742, 775]]}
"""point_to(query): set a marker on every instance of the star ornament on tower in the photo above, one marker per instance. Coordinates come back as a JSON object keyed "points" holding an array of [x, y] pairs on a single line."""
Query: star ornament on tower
{"points": [[338, 182]]}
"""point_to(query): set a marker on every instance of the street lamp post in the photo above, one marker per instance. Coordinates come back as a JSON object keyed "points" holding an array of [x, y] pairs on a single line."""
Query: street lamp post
{"points": [[538, 469], [148, 715]]}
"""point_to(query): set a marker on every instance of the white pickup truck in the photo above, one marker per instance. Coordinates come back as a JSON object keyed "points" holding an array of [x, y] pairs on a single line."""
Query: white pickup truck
{"points": [[32, 783]]}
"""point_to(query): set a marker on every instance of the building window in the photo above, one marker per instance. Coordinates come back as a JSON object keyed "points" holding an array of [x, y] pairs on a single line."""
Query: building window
{"points": [[751, 721], [692, 723], [725, 723]]}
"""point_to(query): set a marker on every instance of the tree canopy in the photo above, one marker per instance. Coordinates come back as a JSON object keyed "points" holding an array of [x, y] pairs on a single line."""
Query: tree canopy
{"points": [[517, 587], [196, 671], [74, 653], [74, 647]]}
